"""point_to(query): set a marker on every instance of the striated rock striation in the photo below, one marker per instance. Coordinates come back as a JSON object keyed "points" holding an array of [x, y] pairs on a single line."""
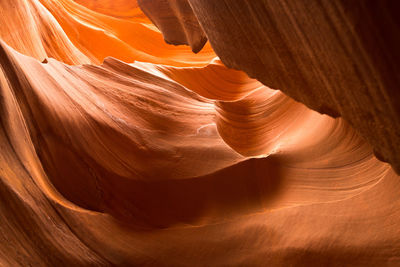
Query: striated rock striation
{"points": [[339, 58], [118, 149]]}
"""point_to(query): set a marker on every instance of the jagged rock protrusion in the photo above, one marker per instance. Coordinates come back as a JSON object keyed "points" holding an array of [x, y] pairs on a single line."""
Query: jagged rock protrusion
{"points": [[176, 21]]}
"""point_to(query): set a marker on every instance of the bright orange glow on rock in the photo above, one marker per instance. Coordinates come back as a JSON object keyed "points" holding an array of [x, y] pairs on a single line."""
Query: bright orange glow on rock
{"points": [[120, 149]]}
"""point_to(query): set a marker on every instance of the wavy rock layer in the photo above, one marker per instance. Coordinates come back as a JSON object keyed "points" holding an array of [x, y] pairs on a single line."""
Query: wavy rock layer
{"points": [[338, 57], [171, 160]]}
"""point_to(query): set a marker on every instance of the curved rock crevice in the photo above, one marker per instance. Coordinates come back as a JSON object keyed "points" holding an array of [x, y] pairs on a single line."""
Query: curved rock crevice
{"points": [[339, 58], [162, 157]]}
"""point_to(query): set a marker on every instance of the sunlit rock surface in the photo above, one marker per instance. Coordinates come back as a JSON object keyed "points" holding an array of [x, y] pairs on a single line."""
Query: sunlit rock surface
{"points": [[119, 149], [338, 57]]}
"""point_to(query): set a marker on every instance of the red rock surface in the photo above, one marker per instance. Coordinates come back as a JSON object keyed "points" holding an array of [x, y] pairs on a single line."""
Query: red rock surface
{"points": [[120, 150], [338, 57], [177, 22]]}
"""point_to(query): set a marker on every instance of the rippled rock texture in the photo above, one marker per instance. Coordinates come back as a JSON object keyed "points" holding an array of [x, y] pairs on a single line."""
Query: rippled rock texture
{"points": [[340, 58], [118, 149]]}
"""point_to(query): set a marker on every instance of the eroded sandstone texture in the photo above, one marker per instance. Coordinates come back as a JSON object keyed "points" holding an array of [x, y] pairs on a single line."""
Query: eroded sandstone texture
{"points": [[340, 58], [177, 22], [118, 149]]}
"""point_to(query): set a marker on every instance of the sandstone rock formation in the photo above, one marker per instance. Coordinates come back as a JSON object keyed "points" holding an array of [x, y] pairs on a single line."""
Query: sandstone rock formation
{"points": [[176, 20], [118, 149], [338, 57]]}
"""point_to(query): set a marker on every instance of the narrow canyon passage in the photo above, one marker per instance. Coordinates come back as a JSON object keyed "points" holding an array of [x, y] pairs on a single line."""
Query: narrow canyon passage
{"points": [[199, 133]]}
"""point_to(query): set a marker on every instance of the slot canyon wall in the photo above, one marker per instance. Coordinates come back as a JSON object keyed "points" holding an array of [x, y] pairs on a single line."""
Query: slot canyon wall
{"points": [[268, 137]]}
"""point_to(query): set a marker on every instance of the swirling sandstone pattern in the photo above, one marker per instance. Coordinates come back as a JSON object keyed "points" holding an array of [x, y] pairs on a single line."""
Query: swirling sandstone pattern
{"points": [[118, 149], [338, 57]]}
